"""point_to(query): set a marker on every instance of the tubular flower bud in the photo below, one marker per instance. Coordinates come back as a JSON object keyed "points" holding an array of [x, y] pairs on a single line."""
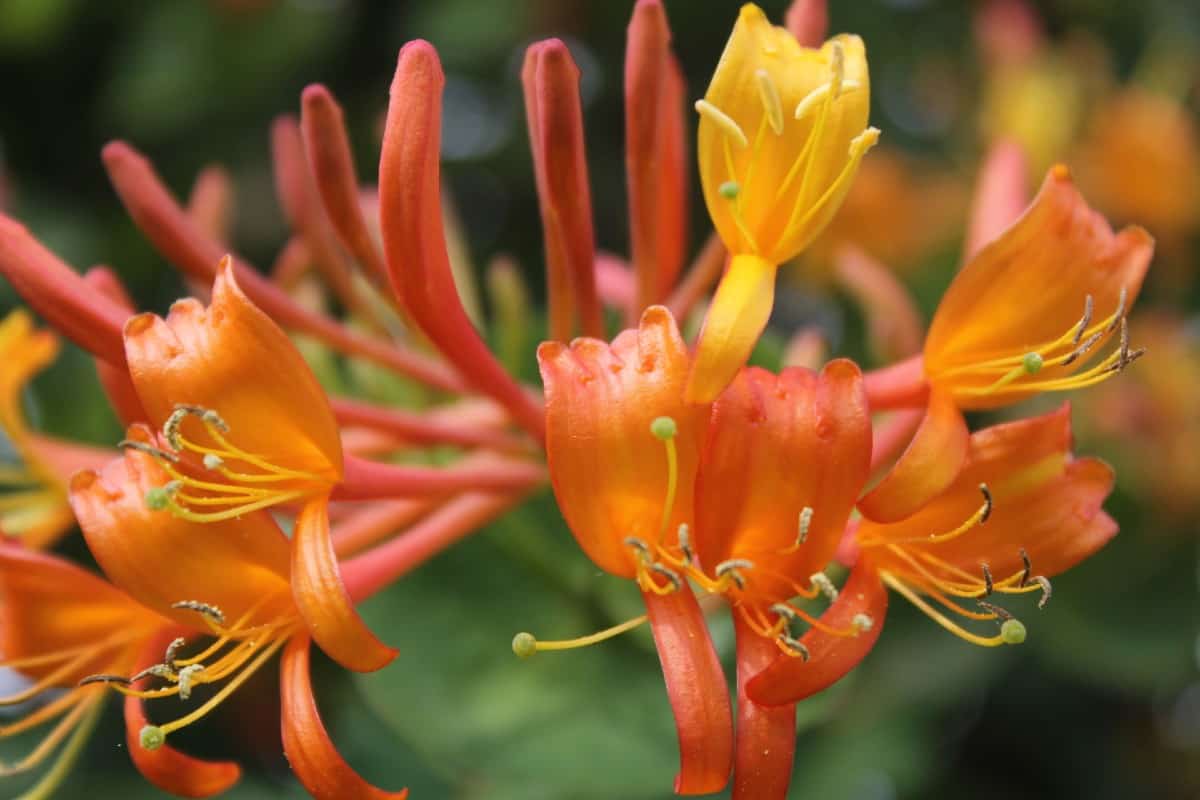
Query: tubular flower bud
{"points": [[782, 131]]}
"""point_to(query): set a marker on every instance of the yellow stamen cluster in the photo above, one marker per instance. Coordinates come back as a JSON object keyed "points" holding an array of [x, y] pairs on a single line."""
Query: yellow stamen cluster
{"points": [[1015, 374], [250, 484]]}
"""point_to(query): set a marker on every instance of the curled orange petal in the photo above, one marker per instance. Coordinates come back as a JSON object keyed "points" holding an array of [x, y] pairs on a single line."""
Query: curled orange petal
{"points": [[322, 599], [310, 753]]}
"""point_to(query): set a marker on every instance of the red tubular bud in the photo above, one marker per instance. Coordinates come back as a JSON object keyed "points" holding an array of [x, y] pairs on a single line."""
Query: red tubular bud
{"points": [[808, 21], [414, 240], [211, 202], [1001, 195], [671, 227], [115, 378], [555, 117]]}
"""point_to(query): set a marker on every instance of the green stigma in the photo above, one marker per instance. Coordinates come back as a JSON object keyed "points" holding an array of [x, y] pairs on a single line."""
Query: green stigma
{"points": [[1012, 631], [1032, 362], [151, 737], [730, 189], [663, 428], [157, 498], [524, 645]]}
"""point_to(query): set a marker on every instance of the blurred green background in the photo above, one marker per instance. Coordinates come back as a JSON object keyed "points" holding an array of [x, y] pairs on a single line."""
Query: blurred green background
{"points": [[1103, 701]]}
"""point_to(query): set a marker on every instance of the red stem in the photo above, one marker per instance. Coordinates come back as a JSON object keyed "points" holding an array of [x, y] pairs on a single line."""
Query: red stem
{"points": [[417, 428], [901, 385], [363, 527], [893, 435], [700, 277], [371, 480]]}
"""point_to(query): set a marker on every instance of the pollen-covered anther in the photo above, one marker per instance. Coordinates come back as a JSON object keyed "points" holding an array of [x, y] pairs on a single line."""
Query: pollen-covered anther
{"points": [[724, 123], [119, 680], [1047, 589], [793, 647], [668, 573], [172, 652], [862, 622], [213, 462], [730, 571], [685, 544], [154, 671], [148, 449], [822, 582], [768, 93], [187, 677], [206, 610], [989, 585]]}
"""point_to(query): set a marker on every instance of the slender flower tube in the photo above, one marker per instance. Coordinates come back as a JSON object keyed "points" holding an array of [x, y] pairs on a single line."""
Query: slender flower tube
{"points": [[782, 131], [1040, 309], [785, 458], [34, 505], [623, 450]]}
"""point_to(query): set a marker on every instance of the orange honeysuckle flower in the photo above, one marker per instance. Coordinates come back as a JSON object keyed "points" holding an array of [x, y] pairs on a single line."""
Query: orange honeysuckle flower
{"points": [[1034, 311], [785, 459], [232, 579], [58, 625], [33, 506], [623, 449], [1021, 511], [782, 130]]}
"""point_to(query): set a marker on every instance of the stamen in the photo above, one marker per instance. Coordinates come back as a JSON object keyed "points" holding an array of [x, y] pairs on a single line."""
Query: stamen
{"points": [[172, 652], [1089, 306], [186, 676], [724, 122], [1047, 590], [685, 544], [525, 645], [941, 619], [989, 587], [669, 574], [863, 622], [793, 647], [148, 449], [731, 570], [664, 429], [802, 527], [209, 612], [769, 95], [822, 582], [213, 462]]}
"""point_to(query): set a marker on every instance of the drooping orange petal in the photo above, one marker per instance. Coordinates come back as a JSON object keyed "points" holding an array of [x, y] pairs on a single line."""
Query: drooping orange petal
{"points": [[161, 559], [766, 737], [322, 599], [776, 445], [1029, 286], [233, 359], [414, 240], [697, 690], [738, 314], [555, 117], [930, 464], [608, 470], [310, 753], [1043, 501], [165, 767], [790, 679], [49, 605]]}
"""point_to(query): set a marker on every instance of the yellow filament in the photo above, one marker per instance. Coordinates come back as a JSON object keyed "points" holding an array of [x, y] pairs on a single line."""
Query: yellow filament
{"points": [[40, 715], [46, 746], [939, 617], [736, 208], [54, 777], [672, 485], [769, 95], [595, 638], [52, 678], [858, 148]]}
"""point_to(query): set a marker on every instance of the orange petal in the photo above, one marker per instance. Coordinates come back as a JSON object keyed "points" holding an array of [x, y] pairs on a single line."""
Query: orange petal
{"points": [[232, 358], [161, 559], [165, 767], [322, 599], [1030, 284], [48, 604], [1042, 501], [777, 445], [766, 737], [789, 679], [555, 115], [609, 471], [310, 753], [737, 317], [697, 691], [929, 465]]}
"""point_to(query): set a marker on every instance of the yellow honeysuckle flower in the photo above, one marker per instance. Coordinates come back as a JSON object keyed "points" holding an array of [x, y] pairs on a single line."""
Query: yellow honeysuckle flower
{"points": [[782, 131]]}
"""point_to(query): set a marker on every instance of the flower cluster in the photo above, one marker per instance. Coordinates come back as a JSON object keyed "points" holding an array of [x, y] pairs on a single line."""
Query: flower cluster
{"points": [[676, 466]]}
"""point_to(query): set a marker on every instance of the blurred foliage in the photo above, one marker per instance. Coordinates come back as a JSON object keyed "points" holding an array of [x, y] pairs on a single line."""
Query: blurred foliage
{"points": [[1103, 701]]}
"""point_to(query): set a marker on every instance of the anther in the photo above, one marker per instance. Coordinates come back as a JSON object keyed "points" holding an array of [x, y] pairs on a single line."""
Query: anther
{"points": [[213, 462], [730, 190], [148, 449], [784, 610], [1032, 362], [209, 612], [862, 622], [1119, 314], [769, 95], [154, 671], [637, 544], [685, 543], [667, 573], [664, 428], [524, 645], [170, 428], [104, 678], [989, 587], [999, 611], [1047, 590], [837, 66], [186, 676], [723, 121], [1027, 568], [1089, 306], [822, 582], [988, 504], [1012, 631], [151, 737], [730, 569], [805, 522], [794, 646], [172, 651]]}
